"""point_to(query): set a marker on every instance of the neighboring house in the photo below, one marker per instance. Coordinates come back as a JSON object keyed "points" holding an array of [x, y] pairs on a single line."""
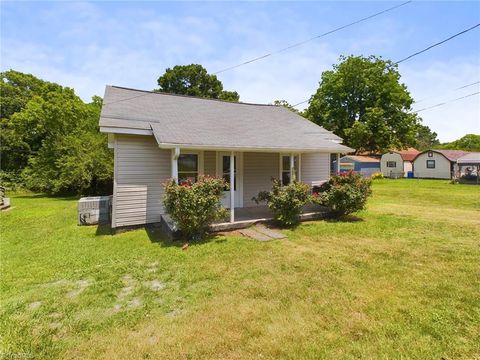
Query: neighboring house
{"points": [[437, 164], [158, 136], [398, 163], [365, 165]]}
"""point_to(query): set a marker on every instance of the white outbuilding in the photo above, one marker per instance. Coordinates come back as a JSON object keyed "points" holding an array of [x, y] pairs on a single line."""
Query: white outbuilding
{"points": [[398, 163], [437, 164]]}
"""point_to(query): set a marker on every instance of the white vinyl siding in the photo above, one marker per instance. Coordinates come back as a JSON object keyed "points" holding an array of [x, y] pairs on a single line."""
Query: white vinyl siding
{"points": [[141, 168], [407, 166], [442, 168], [314, 167], [394, 171], [258, 170], [210, 167]]}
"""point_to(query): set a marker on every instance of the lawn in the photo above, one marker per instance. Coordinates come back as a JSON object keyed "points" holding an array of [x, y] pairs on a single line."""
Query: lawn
{"points": [[403, 281]]}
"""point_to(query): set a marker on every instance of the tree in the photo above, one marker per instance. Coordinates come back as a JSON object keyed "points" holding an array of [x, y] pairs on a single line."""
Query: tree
{"points": [[73, 156], [363, 101], [16, 90], [470, 142], [50, 139], [194, 80], [426, 138]]}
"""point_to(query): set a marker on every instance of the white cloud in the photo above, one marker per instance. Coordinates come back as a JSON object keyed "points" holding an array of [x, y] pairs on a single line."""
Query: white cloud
{"points": [[434, 84], [133, 47]]}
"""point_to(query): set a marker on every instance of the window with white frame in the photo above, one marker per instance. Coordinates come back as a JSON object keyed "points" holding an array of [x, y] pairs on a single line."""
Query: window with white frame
{"points": [[285, 169], [187, 167], [226, 170], [391, 164]]}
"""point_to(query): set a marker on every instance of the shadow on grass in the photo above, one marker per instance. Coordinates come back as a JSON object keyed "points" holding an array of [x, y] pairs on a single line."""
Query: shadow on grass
{"points": [[346, 218], [104, 229], [45, 196], [157, 236]]}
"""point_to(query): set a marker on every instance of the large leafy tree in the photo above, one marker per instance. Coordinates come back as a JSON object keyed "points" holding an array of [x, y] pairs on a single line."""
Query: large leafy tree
{"points": [[425, 138], [16, 90], [194, 80], [50, 137], [363, 101]]}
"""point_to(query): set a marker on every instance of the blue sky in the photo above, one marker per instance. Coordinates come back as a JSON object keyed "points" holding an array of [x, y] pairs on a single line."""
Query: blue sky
{"points": [[88, 45]]}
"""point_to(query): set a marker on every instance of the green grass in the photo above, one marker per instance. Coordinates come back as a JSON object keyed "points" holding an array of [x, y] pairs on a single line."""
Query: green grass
{"points": [[402, 282]]}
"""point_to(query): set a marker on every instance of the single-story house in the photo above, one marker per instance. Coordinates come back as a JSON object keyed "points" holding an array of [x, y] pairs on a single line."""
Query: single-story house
{"points": [[157, 136], [398, 163], [437, 164], [365, 165]]}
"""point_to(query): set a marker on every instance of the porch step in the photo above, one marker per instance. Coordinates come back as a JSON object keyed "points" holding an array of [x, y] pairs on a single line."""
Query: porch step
{"points": [[251, 233], [269, 232], [261, 233]]}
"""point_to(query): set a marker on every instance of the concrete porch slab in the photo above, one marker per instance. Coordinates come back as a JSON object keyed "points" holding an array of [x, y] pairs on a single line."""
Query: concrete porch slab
{"points": [[246, 217], [252, 233], [269, 232]]}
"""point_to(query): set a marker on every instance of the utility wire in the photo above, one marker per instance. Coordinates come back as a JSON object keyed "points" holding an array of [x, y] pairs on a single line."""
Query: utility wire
{"points": [[288, 47], [458, 88], [439, 43], [312, 38], [420, 52], [446, 102]]}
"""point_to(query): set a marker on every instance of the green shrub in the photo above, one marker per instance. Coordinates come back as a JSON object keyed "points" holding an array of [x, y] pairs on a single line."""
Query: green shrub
{"points": [[286, 202], [377, 175], [345, 193], [11, 180], [194, 206]]}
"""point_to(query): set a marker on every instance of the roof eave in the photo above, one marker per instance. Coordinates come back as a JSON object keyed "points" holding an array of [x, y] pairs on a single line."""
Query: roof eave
{"points": [[340, 149]]}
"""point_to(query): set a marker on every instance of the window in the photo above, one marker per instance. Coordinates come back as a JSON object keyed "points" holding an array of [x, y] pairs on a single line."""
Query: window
{"points": [[430, 154], [430, 164], [392, 164], [333, 163], [187, 167], [226, 170], [285, 168]]}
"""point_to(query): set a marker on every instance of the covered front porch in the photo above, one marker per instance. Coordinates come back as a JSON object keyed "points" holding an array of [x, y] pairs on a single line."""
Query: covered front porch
{"points": [[246, 217], [248, 173]]}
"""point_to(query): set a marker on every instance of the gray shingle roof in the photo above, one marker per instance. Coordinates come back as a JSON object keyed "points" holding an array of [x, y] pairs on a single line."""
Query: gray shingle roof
{"points": [[472, 158], [197, 122]]}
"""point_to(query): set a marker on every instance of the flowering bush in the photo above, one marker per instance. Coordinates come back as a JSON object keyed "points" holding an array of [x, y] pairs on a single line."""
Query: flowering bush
{"points": [[377, 175], [345, 193], [195, 206], [286, 202]]}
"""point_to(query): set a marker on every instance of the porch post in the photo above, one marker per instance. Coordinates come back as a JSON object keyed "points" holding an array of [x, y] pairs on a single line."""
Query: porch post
{"points": [[337, 170], [232, 187], [175, 155], [292, 170]]}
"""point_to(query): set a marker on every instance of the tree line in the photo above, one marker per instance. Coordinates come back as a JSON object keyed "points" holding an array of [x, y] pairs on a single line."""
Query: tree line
{"points": [[50, 141]]}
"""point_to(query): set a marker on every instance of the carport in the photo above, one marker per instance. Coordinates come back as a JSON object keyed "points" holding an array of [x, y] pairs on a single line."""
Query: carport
{"points": [[472, 161]]}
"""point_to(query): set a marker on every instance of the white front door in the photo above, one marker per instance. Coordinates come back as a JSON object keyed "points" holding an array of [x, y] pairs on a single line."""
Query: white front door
{"points": [[223, 170]]}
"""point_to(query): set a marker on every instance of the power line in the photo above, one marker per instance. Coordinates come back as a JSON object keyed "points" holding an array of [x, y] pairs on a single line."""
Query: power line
{"points": [[290, 46], [457, 88], [439, 43], [312, 38], [463, 87], [416, 102], [447, 102], [422, 51]]}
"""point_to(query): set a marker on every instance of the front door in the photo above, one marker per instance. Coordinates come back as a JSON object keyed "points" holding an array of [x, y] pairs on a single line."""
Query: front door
{"points": [[223, 170]]}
